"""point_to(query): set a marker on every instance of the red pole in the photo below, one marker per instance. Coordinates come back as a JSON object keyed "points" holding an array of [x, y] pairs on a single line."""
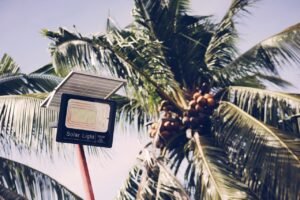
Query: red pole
{"points": [[87, 184]]}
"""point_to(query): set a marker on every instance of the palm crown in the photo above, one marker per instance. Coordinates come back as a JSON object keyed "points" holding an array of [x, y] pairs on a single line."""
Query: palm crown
{"points": [[217, 133]]}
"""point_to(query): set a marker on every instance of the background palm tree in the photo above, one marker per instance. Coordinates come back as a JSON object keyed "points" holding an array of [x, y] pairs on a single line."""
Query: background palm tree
{"points": [[238, 142], [25, 125]]}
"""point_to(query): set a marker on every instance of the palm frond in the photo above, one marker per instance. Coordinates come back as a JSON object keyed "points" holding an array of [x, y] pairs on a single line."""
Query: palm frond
{"points": [[143, 61], [46, 69], [259, 80], [79, 50], [221, 50], [151, 179], [167, 178], [74, 55], [24, 84], [183, 38], [148, 80], [276, 80], [160, 18], [30, 127], [146, 13], [186, 50], [267, 162], [111, 25], [213, 178], [23, 120], [8, 65], [123, 53], [130, 188], [273, 108], [31, 183], [267, 56]]}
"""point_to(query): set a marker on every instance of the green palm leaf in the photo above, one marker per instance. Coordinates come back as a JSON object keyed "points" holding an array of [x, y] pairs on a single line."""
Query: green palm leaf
{"points": [[265, 161], [151, 179], [26, 122], [130, 188], [23, 84], [184, 38], [120, 52], [221, 50], [46, 69], [213, 177], [160, 18], [259, 80], [8, 65], [267, 56], [31, 183], [269, 106]]}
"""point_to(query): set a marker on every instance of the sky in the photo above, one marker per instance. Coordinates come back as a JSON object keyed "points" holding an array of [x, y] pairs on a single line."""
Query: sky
{"points": [[22, 21]]}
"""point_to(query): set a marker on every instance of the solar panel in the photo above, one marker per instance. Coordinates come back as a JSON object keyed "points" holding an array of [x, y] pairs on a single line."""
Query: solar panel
{"points": [[83, 84]]}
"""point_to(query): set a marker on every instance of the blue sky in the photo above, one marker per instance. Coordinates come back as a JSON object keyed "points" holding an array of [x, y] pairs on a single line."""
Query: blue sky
{"points": [[22, 21]]}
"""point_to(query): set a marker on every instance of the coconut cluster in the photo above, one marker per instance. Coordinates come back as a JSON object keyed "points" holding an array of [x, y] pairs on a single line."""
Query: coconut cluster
{"points": [[169, 124], [201, 106]]}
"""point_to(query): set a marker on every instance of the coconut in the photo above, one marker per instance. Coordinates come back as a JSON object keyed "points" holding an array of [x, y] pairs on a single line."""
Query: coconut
{"points": [[198, 107], [196, 95], [192, 103], [201, 101], [167, 125], [211, 102], [207, 96]]}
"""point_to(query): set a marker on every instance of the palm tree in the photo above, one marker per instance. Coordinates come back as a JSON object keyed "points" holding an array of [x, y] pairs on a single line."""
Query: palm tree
{"points": [[25, 128], [217, 132]]}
